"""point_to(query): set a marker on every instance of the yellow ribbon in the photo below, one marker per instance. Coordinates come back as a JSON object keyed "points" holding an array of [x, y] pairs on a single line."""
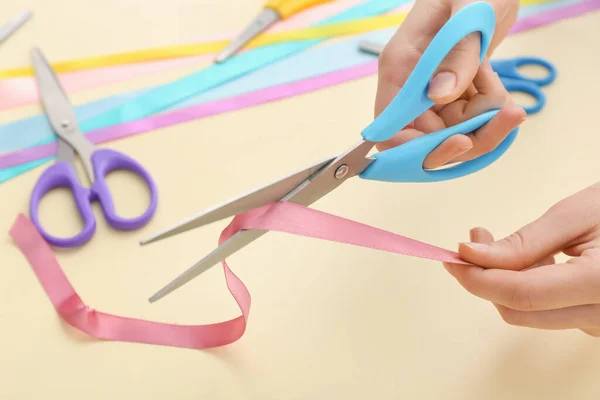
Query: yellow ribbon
{"points": [[357, 26]]}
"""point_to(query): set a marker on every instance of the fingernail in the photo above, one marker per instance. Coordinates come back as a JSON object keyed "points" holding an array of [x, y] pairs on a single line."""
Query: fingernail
{"points": [[442, 85], [476, 246]]}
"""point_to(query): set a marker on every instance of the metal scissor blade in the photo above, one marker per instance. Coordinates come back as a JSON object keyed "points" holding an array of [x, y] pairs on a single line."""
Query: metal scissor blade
{"points": [[230, 246], [347, 165], [265, 19], [269, 193], [61, 115], [11, 27], [54, 99]]}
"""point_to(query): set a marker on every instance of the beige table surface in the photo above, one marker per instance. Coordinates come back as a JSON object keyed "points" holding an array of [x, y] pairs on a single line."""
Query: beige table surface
{"points": [[328, 321]]}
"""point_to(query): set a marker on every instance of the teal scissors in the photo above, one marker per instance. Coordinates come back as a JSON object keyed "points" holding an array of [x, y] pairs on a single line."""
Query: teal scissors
{"points": [[403, 163], [508, 71]]}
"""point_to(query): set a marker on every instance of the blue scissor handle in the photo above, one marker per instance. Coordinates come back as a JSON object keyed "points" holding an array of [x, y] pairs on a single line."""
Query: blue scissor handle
{"points": [[509, 68], [527, 87], [412, 100], [404, 163]]}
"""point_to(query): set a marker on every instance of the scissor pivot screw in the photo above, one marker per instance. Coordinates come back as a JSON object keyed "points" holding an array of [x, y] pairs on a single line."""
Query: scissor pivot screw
{"points": [[341, 171], [64, 123]]}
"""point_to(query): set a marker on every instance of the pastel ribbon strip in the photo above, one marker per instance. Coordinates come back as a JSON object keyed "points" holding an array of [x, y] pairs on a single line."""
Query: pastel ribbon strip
{"points": [[22, 90], [312, 62], [282, 217], [359, 25], [16, 163], [215, 46]]}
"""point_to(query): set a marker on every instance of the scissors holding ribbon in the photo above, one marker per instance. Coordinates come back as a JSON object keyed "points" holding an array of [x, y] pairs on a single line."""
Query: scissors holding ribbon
{"points": [[97, 163], [508, 71], [403, 163]]}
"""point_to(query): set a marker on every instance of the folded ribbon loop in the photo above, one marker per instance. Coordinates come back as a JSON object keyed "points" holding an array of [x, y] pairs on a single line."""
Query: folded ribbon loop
{"points": [[283, 217]]}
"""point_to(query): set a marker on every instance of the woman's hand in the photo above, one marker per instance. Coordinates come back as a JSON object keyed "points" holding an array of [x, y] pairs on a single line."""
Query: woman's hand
{"points": [[460, 88], [519, 274]]}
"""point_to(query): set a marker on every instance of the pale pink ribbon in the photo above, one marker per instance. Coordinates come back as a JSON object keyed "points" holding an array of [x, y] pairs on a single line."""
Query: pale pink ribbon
{"points": [[283, 217], [263, 96], [16, 92]]}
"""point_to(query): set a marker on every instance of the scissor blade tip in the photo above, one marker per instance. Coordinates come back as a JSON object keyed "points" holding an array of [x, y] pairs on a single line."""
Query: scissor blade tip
{"points": [[153, 299], [147, 240], [159, 295], [221, 58], [158, 236], [36, 52]]}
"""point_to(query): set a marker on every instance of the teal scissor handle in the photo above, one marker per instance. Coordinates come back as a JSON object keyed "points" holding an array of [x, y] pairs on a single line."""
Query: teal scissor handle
{"points": [[509, 68], [404, 163], [514, 81], [412, 100], [528, 88]]}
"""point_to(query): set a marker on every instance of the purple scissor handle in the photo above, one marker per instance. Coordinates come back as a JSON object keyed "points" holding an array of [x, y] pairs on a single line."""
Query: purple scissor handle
{"points": [[104, 161], [98, 164]]}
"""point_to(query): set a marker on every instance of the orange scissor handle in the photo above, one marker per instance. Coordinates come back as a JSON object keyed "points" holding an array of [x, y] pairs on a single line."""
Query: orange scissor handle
{"points": [[286, 8]]}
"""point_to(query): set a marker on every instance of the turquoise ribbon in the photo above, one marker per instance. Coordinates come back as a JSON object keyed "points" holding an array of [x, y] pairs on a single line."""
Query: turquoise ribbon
{"points": [[162, 97], [33, 131]]}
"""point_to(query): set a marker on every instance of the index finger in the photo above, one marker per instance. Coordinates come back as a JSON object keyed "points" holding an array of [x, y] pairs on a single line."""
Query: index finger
{"points": [[544, 288]]}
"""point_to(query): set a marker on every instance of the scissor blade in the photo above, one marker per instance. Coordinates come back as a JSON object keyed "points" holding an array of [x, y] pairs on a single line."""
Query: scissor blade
{"points": [[54, 99], [349, 164], [11, 27], [227, 248], [265, 19], [269, 193]]}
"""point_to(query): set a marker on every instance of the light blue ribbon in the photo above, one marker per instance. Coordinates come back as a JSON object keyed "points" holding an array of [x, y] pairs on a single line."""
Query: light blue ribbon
{"points": [[315, 61], [162, 97]]}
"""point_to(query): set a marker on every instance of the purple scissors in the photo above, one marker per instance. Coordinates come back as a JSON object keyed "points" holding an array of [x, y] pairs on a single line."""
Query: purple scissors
{"points": [[97, 164]]}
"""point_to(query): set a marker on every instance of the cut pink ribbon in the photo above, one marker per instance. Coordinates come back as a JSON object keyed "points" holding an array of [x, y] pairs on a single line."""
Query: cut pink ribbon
{"points": [[263, 96], [283, 217]]}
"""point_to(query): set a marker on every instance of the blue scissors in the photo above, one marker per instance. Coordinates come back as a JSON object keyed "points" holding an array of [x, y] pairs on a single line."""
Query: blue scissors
{"points": [[403, 163], [515, 81], [508, 71]]}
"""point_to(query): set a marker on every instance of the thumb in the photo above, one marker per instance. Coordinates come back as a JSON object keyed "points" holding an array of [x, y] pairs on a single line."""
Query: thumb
{"points": [[456, 72], [405, 48], [560, 227]]}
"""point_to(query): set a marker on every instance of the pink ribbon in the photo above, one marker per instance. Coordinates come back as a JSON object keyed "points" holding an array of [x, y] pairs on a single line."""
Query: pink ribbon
{"points": [[282, 217], [16, 92], [263, 96], [554, 15]]}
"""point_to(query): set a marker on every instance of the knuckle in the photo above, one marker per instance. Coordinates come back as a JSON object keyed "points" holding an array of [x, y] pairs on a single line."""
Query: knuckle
{"points": [[517, 245], [498, 94], [511, 317], [393, 63], [520, 299], [465, 51], [516, 241], [487, 146]]}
